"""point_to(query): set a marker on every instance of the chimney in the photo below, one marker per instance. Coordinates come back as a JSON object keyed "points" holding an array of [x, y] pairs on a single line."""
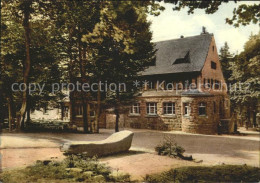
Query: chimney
{"points": [[204, 30], [182, 36]]}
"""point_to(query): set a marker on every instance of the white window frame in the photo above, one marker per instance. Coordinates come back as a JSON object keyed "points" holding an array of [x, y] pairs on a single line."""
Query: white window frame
{"points": [[186, 109], [135, 109], [151, 106], [169, 106], [202, 105]]}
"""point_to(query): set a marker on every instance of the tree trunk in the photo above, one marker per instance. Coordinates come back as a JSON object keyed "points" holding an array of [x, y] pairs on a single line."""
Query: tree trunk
{"points": [[83, 80], [117, 112], [254, 118], [28, 112], [2, 112], [248, 121], [98, 109], [88, 118], [117, 120], [11, 112], [10, 116], [27, 63], [72, 102]]}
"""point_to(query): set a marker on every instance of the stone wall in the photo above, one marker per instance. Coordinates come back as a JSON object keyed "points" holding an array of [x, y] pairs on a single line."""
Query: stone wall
{"points": [[205, 124], [194, 123], [144, 121]]}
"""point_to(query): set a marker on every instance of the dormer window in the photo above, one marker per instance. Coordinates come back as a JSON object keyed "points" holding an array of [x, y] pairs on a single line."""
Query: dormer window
{"points": [[185, 59], [213, 65]]}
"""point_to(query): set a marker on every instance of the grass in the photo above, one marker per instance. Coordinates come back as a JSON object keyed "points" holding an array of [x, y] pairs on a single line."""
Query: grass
{"points": [[72, 169], [221, 173], [82, 169]]}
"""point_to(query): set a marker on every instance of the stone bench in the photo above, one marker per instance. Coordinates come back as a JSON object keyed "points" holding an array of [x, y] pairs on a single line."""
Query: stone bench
{"points": [[116, 143]]}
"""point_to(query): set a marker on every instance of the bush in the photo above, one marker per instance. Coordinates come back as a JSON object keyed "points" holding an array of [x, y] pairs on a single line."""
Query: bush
{"points": [[170, 148], [221, 173]]}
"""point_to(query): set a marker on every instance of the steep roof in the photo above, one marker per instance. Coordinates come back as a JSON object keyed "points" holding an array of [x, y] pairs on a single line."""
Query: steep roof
{"points": [[180, 55]]}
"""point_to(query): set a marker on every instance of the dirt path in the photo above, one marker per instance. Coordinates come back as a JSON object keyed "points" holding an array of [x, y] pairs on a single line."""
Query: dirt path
{"points": [[23, 149], [140, 164], [19, 152]]}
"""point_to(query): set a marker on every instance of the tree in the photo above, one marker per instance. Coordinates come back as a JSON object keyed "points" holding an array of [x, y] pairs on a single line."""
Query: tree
{"points": [[74, 19], [225, 59], [35, 64], [123, 49], [245, 74], [243, 15]]}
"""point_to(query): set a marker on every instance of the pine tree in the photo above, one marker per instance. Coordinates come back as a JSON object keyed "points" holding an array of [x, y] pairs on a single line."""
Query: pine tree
{"points": [[225, 60]]}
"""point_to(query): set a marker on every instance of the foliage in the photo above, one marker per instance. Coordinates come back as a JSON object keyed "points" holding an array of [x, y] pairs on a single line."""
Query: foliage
{"points": [[75, 168], [122, 48], [225, 59], [97, 41], [43, 54], [169, 148], [221, 173], [243, 15], [245, 69]]}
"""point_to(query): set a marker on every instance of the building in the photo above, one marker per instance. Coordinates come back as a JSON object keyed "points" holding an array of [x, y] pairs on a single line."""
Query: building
{"points": [[184, 89]]}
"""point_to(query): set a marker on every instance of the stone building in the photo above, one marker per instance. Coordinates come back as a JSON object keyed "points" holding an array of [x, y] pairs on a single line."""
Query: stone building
{"points": [[184, 90]]}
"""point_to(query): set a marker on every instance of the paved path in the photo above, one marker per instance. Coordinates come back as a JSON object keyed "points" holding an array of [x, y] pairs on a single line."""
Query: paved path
{"points": [[210, 149]]}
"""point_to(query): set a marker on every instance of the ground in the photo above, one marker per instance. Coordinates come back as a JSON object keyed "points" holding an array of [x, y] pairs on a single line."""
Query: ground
{"points": [[22, 149]]}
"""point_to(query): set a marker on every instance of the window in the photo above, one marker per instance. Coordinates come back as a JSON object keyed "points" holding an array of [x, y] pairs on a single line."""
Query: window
{"points": [[209, 84], [213, 65], [151, 108], [186, 109], [152, 85], [202, 109], [79, 110], [226, 103], [217, 84], [187, 83], [213, 48], [183, 59], [169, 108], [135, 109]]}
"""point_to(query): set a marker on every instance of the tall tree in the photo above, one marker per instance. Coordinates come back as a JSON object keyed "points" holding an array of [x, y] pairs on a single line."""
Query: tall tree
{"points": [[245, 77], [35, 64], [225, 58], [26, 8], [74, 19], [123, 49]]}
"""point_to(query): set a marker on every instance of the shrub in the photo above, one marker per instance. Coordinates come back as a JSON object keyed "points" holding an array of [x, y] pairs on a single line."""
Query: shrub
{"points": [[74, 168], [170, 148], [221, 173]]}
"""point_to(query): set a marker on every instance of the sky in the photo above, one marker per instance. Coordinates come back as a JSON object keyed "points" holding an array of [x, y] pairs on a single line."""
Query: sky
{"points": [[172, 24]]}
